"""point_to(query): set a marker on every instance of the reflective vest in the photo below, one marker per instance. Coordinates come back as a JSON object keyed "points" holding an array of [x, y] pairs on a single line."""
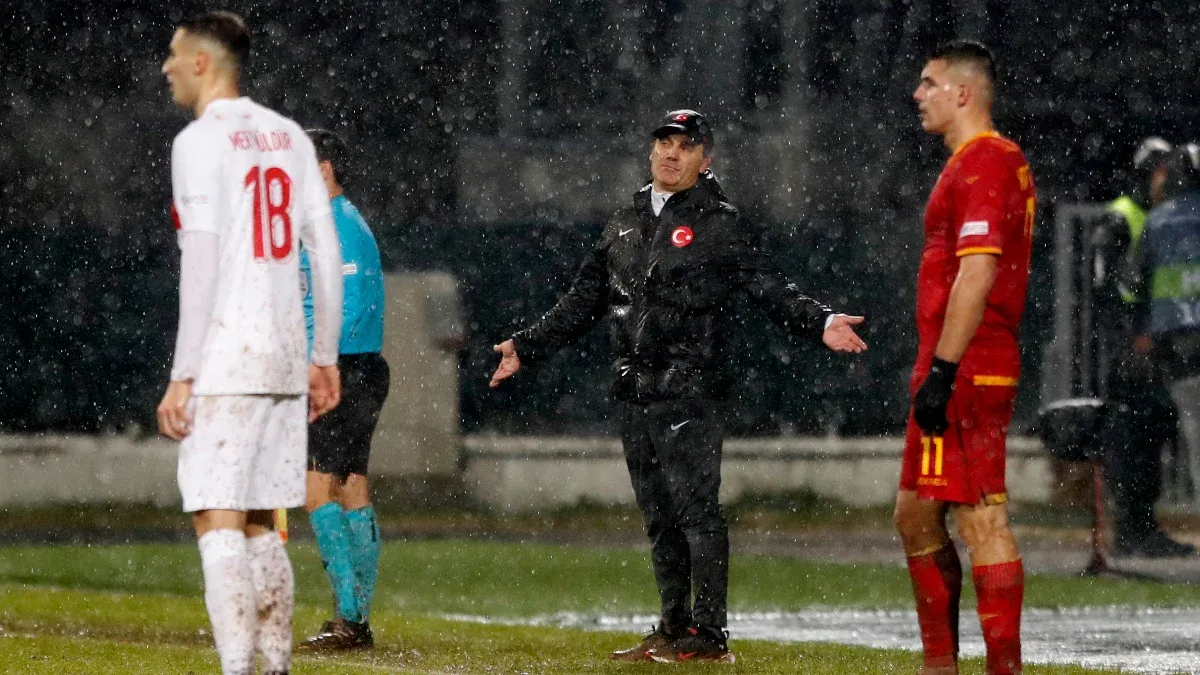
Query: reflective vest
{"points": [[1172, 247], [1135, 219]]}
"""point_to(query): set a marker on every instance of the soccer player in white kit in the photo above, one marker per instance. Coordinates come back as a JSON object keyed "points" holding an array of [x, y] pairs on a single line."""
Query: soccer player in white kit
{"points": [[246, 192]]}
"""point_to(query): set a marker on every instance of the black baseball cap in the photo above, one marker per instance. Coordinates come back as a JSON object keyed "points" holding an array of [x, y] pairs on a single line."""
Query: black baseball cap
{"points": [[688, 122]]}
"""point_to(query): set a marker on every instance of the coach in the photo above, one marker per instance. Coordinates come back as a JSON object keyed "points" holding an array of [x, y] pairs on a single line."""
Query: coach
{"points": [[665, 273]]}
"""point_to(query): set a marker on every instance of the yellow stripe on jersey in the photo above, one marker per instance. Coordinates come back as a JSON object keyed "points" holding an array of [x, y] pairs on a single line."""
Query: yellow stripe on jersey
{"points": [[994, 381], [972, 250]]}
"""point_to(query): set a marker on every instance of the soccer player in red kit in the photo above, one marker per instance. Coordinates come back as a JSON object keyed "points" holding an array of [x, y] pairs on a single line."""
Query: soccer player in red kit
{"points": [[970, 295]]}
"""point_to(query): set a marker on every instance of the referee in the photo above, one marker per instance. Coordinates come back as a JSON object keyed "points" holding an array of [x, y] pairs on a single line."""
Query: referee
{"points": [[339, 444]]}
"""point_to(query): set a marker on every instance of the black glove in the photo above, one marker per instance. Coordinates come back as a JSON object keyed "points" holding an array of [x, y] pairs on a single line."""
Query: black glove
{"points": [[929, 403]]}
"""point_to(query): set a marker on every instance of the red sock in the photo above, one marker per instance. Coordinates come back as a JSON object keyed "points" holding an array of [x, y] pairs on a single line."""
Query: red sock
{"points": [[937, 584], [1000, 589]]}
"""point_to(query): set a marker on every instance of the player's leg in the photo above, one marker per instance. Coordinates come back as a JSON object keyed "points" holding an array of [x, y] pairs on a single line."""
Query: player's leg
{"points": [[668, 545], [214, 463], [933, 564], [365, 543], [274, 587], [328, 520], [997, 571], [367, 383], [999, 578], [688, 437], [276, 482]]}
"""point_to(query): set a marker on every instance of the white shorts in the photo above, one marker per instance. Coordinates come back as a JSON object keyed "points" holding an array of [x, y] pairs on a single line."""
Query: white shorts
{"points": [[245, 453]]}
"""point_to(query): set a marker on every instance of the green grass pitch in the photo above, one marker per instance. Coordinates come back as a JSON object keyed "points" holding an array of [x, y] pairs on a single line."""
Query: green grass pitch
{"points": [[138, 608]]}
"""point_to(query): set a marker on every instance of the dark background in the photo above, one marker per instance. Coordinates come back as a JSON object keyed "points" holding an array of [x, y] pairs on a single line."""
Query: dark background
{"points": [[88, 264]]}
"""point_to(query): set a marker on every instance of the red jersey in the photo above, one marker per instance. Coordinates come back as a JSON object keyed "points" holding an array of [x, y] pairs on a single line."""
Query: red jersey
{"points": [[983, 203]]}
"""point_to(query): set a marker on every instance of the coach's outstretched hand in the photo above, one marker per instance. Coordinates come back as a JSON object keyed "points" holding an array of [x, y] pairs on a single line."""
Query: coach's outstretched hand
{"points": [[324, 390], [840, 337], [510, 363], [174, 421]]}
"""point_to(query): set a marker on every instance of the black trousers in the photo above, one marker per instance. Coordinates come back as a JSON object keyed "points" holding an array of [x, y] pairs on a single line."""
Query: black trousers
{"points": [[1143, 421], [673, 452]]}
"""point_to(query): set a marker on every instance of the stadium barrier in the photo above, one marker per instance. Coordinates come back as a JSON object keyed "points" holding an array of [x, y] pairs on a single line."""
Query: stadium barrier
{"points": [[517, 474], [506, 473]]}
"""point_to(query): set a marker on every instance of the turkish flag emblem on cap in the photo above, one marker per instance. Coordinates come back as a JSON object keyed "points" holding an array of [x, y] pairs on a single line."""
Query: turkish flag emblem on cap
{"points": [[681, 118], [682, 236]]}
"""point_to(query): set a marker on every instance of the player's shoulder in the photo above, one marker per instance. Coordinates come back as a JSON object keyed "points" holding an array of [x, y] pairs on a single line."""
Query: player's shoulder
{"points": [[198, 134], [344, 209], [277, 120], [992, 148]]}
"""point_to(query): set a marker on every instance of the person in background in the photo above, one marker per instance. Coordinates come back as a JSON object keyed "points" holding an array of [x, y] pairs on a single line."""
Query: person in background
{"points": [[1142, 418], [339, 444], [1171, 291]]}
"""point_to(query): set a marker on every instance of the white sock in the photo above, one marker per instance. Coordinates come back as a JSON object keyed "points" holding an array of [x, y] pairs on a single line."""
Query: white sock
{"points": [[274, 586], [229, 595]]}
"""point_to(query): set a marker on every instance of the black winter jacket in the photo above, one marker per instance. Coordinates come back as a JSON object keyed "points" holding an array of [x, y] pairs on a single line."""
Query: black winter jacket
{"points": [[667, 285]]}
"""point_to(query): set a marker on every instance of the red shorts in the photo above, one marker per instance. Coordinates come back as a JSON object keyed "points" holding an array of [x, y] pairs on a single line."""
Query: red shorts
{"points": [[966, 465]]}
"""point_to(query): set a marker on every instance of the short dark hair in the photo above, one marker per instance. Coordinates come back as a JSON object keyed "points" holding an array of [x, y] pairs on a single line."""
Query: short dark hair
{"points": [[226, 28], [330, 148], [968, 52]]}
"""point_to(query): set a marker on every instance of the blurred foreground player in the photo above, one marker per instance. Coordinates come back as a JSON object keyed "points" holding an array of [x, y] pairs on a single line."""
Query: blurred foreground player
{"points": [[339, 444], [246, 192], [970, 295]]}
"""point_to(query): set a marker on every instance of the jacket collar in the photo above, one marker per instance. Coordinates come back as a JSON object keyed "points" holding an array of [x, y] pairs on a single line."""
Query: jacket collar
{"points": [[707, 191]]}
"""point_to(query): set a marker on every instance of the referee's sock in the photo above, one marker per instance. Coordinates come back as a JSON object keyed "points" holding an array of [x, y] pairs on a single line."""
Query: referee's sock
{"points": [[1000, 589], [364, 554], [333, 541], [937, 585]]}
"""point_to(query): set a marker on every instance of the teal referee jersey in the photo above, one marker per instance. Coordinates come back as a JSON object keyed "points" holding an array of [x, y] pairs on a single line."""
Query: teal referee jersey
{"points": [[362, 279]]}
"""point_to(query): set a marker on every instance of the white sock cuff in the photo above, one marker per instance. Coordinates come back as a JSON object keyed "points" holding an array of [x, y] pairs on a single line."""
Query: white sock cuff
{"points": [[263, 544], [222, 543]]}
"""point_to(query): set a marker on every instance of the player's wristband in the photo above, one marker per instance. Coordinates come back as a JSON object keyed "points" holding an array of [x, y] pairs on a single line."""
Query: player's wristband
{"points": [[943, 372]]}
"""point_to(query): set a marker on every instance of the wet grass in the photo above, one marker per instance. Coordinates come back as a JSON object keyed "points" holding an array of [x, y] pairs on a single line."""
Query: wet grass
{"points": [[111, 606], [440, 511], [54, 631], [460, 576]]}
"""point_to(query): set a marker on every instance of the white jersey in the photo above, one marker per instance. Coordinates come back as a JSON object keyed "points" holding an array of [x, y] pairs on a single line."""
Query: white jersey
{"points": [[250, 176]]}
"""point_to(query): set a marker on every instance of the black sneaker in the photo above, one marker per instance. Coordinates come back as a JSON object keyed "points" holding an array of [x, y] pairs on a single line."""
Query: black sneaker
{"points": [[1155, 545], [339, 634], [698, 644], [657, 638]]}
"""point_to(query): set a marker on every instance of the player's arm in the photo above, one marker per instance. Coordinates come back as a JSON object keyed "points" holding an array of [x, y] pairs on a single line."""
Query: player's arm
{"points": [[195, 173], [319, 237], [981, 240], [968, 300]]}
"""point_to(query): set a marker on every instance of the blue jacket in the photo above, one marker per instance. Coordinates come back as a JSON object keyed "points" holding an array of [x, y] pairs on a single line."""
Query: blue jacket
{"points": [[362, 277], [1172, 265]]}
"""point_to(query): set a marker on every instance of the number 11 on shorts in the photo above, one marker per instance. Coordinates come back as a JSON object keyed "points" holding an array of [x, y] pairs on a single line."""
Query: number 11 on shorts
{"points": [[937, 443]]}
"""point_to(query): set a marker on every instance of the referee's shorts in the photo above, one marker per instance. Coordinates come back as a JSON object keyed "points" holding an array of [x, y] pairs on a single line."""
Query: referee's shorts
{"points": [[339, 442]]}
